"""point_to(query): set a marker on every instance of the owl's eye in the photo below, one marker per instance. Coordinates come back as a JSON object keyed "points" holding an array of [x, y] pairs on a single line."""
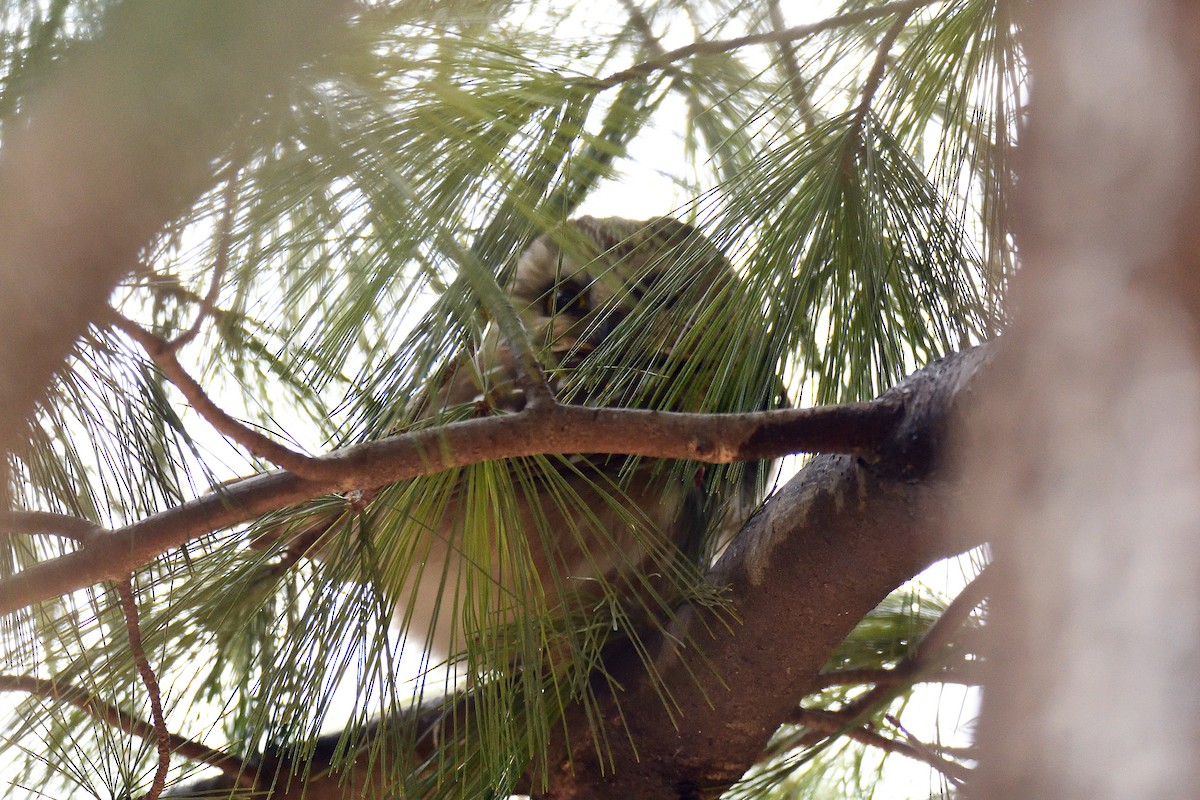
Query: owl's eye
{"points": [[568, 297]]}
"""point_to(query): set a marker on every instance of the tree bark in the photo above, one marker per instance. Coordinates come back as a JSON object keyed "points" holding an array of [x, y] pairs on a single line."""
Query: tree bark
{"points": [[824, 551], [1087, 483]]}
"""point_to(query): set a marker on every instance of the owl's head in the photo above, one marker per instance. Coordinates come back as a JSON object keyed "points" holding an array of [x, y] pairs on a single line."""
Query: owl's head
{"points": [[574, 286]]}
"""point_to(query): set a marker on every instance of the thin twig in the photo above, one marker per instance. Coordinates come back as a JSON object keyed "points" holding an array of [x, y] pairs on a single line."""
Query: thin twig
{"points": [[878, 69], [716, 46], [960, 673], [162, 735], [654, 46], [124, 721], [834, 723], [920, 660], [791, 68], [301, 542], [929, 754], [637, 19], [224, 237], [942, 632], [262, 446], [169, 286], [923, 656]]}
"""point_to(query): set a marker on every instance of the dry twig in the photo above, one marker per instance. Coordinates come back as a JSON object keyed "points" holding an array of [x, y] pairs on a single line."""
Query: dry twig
{"points": [[162, 353]]}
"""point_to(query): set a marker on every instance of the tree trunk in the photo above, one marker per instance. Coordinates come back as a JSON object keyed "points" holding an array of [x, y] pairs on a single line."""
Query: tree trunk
{"points": [[1088, 483]]}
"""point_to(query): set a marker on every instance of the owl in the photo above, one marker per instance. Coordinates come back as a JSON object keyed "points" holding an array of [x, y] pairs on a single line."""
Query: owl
{"points": [[620, 313]]}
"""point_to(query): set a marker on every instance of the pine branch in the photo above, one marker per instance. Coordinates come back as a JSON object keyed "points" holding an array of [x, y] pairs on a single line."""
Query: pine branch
{"points": [[162, 353], [556, 429], [717, 46], [110, 714], [791, 67], [224, 235], [162, 736], [878, 69], [824, 550], [832, 723], [923, 656], [964, 673]]}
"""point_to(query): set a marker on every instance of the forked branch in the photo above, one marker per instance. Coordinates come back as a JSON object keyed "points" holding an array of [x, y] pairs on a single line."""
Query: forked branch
{"points": [[162, 353]]}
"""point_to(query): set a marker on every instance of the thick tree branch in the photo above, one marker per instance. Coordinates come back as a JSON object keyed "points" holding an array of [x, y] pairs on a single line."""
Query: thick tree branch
{"points": [[824, 551], [1086, 479], [710, 438]]}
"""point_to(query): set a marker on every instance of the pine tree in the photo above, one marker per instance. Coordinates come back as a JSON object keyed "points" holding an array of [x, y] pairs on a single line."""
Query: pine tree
{"points": [[241, 239]]}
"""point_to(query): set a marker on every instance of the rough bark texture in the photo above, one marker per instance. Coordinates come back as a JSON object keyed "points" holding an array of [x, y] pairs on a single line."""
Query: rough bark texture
{"points": [[823, 552]]}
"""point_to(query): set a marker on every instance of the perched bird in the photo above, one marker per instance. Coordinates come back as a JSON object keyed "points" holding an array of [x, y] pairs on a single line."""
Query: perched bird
{"points": [[620, 313]]}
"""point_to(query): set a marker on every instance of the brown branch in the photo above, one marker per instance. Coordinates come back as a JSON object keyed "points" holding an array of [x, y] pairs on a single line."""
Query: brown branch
{"points": [[654, 46], [642, 25], [169, 286], [161, 734], [831, 723], [791, 67], [878, 69], [823, 551], [163, 354], [716, 46], [49, 523], [922, 657], [964, 673], [558, 429], [112, 715], [224, 236]]}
